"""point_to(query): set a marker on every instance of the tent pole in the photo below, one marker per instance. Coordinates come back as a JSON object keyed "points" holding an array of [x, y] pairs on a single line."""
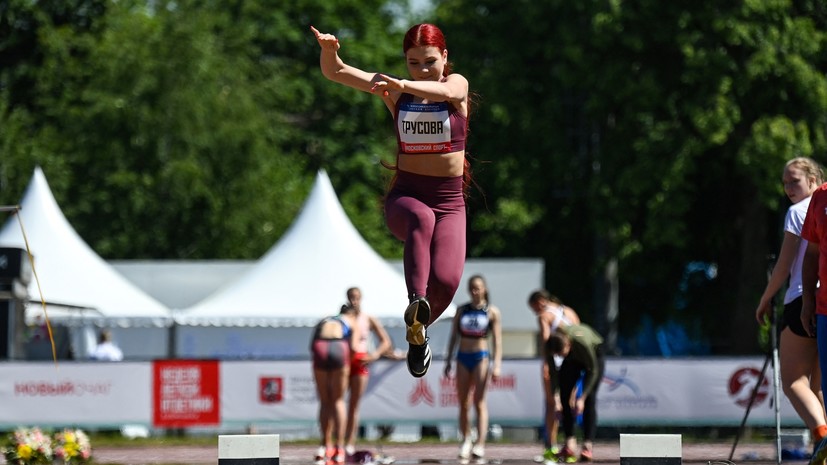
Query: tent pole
{"points": [[171, 340]]}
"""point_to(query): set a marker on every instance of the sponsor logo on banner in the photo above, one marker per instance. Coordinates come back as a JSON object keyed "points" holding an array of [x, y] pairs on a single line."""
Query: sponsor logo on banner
{"points": [[619, 392], [65, 388], [186, 393], [299, 390], [742, 384], [448, 388], [271, 389], [421, 394], [284, 389]]}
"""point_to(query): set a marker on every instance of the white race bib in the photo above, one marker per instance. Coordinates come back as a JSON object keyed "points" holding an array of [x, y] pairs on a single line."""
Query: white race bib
{"points": [[424, 127]]}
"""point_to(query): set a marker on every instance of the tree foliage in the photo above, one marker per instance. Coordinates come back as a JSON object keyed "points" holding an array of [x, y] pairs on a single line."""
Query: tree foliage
{"points": [[646, 132], [641, 134], [187, 129]]}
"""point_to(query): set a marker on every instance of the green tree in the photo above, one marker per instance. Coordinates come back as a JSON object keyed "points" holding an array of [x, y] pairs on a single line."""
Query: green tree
{"points": [[191, 129], [645, 134]]}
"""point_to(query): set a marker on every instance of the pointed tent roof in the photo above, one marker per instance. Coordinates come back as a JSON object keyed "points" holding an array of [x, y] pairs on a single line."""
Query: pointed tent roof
{"points": [[77, 284], [305, 275]]}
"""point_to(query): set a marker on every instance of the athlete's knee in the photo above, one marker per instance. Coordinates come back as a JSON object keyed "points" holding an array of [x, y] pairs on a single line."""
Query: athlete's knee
{"points": [[443, 287], [421, 219], [439, 297]]}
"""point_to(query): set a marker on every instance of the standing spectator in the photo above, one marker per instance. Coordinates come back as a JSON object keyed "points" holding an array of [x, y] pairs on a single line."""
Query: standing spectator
{"points": [[425, 206], [582, 351], [360, 361], [331, 348], [800, 374], [551, 314], [106, 349], [472, 325]]}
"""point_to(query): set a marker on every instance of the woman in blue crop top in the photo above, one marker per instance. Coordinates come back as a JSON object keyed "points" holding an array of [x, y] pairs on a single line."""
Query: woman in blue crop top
{"points": [[472, 324], [425, 206]]}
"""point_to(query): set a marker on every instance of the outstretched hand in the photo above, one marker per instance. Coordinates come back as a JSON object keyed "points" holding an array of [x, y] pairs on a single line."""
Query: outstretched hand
{"points": [[326, 41]]}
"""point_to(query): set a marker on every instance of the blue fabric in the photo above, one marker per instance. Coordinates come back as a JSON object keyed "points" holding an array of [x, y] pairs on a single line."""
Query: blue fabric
{"points": [[470, 359]]}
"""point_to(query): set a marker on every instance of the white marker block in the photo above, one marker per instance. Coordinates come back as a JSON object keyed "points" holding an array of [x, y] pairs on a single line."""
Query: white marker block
{"points": [[248, 449], [650, 449]]}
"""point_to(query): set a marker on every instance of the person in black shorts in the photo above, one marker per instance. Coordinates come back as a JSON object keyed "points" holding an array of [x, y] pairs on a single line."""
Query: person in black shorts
{"points": [[799, 372]]}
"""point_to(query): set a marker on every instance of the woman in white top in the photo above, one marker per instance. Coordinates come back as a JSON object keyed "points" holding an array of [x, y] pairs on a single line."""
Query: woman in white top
{"points": [[551, 314], [360, 362], [800, 374]]}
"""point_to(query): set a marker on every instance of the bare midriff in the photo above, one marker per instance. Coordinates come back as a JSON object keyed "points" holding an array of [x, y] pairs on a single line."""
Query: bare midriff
{"points": [[472, 344], [433, 164]]}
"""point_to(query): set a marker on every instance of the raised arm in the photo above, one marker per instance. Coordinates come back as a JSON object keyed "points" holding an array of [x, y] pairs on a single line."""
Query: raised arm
{"points": [[336, 70], [454, 88]]}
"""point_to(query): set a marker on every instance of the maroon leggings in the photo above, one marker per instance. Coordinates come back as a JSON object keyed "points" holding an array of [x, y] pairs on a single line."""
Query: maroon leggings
{"points": [[428, 214]]}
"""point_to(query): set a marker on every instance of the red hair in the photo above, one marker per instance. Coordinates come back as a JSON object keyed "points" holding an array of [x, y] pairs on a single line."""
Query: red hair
{"points": [[425, 35]]}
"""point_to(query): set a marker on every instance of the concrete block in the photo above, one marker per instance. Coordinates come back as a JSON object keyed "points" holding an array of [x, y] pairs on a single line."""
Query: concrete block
{"points": [[650, 449], [248, 449]]}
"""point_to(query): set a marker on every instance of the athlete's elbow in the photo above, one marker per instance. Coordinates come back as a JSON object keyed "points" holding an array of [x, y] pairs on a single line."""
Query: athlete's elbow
{"points": [[329, 74]]}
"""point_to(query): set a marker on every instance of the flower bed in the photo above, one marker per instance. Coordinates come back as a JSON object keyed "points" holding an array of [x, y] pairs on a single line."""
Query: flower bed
{"points": [[31, 446]]}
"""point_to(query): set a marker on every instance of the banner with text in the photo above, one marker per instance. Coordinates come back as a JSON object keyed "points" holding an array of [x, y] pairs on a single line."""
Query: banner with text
{"points": [[72, 393], [184, 393]]}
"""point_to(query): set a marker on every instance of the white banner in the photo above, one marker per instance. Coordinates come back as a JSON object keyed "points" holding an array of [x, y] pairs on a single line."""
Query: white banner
{"points": [[268, 391], [71, 393], [393, 394], [687, 392], [698, 391]]}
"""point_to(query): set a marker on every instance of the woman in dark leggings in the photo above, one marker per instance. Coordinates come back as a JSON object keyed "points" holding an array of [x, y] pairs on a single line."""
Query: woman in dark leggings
{"points": [[425, 206], [581, 349]]}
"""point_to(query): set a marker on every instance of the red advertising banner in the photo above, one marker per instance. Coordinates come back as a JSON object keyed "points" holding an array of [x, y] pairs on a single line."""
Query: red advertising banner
{"points": [[185, 393]]}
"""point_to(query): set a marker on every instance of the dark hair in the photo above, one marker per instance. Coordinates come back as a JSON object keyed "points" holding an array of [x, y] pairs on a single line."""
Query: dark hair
{"points": [[484, 284], [543, 294], [555, 342], [105, 336]]}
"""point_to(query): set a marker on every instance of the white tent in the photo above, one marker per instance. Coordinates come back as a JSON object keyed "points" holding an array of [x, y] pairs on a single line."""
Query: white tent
{"points": [[78, 286], [76, 282], [304, 277]]}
